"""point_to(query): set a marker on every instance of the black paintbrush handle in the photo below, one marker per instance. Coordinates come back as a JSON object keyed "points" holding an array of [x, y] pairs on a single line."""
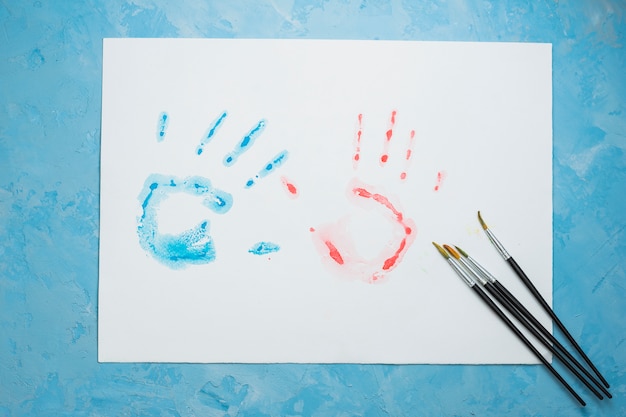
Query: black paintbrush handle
{"points": [[528, 315], [526, 323], [520, 273], [523, 338]]}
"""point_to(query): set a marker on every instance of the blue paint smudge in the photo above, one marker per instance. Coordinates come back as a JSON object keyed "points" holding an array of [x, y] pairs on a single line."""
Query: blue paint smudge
{"points": [[269, 167], [211, 132], [246, 143], [192, 246], [263, 248], [163, 122]]}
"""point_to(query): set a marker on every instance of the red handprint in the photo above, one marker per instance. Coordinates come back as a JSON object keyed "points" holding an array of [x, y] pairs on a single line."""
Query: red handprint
{"points": [[334, 241]]}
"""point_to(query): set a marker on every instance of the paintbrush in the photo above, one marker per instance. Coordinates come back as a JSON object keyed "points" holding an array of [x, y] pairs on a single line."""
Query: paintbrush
{"points": [[480, 270], [479, 277], [472, 284], [520, 273]]}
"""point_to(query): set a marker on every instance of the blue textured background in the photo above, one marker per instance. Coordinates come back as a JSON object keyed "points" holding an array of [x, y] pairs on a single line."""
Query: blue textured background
{"points": [[50, 92]]}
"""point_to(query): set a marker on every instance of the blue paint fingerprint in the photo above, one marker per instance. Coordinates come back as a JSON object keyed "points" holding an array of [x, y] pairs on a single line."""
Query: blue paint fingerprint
{"points": [[263, 248], [269, 167], [211, 132], [193, 246], [246, 143], [164, 120]]}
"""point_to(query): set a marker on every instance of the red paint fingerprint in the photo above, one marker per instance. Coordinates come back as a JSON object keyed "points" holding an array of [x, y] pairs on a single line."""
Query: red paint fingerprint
{"points": [[385, 155], [409, 153], [289, 186], [357, 142], [441, 175], [333, 252]]}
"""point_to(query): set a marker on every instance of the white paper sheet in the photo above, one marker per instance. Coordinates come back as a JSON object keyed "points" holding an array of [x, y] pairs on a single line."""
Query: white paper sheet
{"points": [[322, 258]]}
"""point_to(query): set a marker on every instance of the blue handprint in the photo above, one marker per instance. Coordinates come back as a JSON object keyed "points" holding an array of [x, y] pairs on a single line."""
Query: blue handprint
{"points": [[195, 245]]}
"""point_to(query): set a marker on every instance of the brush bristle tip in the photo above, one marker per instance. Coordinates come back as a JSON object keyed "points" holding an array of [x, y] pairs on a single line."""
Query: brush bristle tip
{"points": [[441, 250], [452, 252], [482, 222], [461, 251]]}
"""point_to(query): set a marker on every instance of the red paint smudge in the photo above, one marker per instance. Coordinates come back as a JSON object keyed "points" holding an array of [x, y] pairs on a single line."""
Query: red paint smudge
{"points": [[390, 262], [362, 192], [409, 150], [357, 142], [311, 229], [289, 186], [333, 252], [409, 153], [441, 175], [388, 134]]}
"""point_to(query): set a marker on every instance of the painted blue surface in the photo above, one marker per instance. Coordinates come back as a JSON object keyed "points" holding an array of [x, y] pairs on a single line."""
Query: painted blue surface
{"points": [[50, 92]]}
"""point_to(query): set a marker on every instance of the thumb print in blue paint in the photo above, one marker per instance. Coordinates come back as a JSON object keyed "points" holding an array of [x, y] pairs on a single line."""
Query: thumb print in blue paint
{"points": [[192, 246]]}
